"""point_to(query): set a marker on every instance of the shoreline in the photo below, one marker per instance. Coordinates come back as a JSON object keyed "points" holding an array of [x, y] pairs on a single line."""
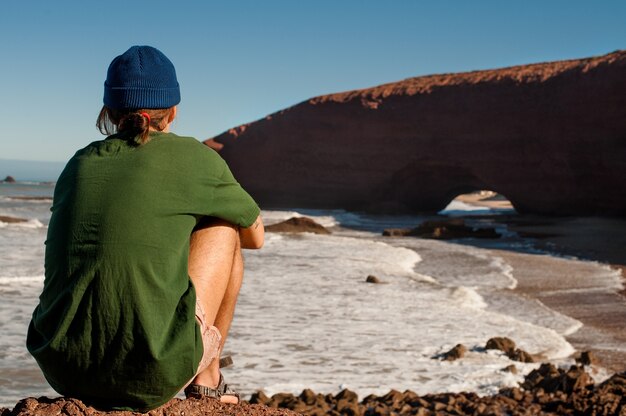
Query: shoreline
{"points": [[583, 239], [558, 237]]}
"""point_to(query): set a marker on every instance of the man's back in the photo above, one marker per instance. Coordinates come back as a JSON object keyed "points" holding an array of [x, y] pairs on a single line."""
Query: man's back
{"points": [[118, 310]]}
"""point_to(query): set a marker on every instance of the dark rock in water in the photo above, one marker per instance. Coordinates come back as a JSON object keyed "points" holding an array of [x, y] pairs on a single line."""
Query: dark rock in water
{"points": [[587, 358], [447, 229], [521, 356], [396, 232], [297, 225], [507, 345], [9, 179], [175, 407], [455, 353], [11, 220], [372, 279], [451, 229], [501, 343], [510, 369], [548, 136]]}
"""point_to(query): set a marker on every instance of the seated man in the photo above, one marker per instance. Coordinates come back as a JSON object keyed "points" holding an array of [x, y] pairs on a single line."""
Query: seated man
{"points": [[143, 256]]}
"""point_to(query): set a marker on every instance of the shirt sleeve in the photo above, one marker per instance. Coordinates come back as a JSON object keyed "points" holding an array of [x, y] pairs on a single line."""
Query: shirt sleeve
{"points": [[231, 202]]}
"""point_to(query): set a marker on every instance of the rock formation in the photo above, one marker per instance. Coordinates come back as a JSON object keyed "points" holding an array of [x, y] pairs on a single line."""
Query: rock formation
{"points": [[545, 391], [297, 225], [551, 137], [447, 229]]}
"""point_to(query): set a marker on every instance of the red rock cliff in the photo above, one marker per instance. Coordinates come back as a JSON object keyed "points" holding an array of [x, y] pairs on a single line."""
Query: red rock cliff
{"points": [[551, 137]]}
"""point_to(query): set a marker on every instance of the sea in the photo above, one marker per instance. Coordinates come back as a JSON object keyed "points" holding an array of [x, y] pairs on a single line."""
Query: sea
{"points": [[307, 318]]}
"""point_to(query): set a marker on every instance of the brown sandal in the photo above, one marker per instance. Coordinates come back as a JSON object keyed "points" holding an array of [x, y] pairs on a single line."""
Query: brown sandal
{"points": [[198, 391]]}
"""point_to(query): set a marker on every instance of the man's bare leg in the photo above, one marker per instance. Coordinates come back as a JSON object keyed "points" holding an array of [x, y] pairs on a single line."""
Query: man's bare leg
{"points": [[216, 269]]}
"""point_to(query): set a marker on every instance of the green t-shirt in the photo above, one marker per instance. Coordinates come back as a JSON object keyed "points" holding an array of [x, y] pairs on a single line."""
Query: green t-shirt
{"points": [[116, 324]]}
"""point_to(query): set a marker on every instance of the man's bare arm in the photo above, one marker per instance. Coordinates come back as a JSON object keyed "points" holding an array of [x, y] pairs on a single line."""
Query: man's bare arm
{"points": [[253, 236]]}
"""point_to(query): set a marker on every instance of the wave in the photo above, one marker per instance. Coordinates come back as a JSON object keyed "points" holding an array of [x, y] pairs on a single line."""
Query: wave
{"points": [[31, 199], [7, 280]]}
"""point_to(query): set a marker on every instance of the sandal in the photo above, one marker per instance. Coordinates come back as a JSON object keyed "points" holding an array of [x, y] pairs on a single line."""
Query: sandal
{"points": [[198, 391]]}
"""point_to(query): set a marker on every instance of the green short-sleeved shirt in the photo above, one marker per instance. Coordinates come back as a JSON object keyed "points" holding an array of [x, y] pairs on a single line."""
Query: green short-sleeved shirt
{"points": [[116, 325]]}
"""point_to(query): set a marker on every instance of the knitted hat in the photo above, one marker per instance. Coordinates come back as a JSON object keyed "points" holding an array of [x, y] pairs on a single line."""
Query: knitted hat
{"points": [[142, 77]]}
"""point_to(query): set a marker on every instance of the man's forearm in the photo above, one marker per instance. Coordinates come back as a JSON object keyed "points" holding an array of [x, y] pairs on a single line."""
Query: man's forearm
{"points": [[253, 237]]}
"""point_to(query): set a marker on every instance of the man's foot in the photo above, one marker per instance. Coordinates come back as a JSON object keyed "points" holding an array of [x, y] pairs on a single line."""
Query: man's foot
{"points": [[222, 392]]}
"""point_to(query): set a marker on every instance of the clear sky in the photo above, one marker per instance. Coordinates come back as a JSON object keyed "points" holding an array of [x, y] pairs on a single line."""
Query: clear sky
{"points": [[238, 61]]}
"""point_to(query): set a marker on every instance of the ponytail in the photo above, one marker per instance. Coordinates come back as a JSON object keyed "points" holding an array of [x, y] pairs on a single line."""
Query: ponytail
{"points": [[133, 125]]}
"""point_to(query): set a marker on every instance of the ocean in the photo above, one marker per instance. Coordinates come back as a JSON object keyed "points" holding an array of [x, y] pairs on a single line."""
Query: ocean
{"points": [[306, 318]]}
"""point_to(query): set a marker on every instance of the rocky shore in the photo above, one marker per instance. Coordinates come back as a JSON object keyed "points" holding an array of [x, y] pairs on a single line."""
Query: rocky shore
{"points": [[545, 391]]}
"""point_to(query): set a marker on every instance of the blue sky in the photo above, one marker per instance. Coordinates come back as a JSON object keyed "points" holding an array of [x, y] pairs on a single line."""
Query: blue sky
{"points": [[238, 61]]}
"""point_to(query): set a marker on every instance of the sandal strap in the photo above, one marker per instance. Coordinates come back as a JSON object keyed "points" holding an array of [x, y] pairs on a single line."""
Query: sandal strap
{"points": [[198, 391], [222, 389]]}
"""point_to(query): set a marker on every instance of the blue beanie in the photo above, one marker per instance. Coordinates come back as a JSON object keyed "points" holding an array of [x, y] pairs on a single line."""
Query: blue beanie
{"points": [[142, 77]]}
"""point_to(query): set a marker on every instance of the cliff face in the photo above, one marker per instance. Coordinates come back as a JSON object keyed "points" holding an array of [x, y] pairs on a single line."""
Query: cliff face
{"points": [[551, 137]]}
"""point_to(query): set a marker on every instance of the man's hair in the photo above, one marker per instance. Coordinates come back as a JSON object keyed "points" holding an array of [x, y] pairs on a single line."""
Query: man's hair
{"points": [[132, 124]]}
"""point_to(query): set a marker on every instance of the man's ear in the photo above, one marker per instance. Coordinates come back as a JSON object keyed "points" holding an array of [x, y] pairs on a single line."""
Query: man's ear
{"points": [[172, 114]]}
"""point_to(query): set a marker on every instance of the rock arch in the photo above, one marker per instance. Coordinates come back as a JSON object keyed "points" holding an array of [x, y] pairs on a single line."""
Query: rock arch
{"points": [[551, 137]]}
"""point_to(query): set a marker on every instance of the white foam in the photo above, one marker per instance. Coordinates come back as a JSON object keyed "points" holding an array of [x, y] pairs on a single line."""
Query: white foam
{"points": [[468, 298], [459, 208], [17, 280], [32, 223]]}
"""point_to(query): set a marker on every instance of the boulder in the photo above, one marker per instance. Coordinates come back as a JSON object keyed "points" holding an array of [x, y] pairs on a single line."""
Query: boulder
{"points": [[297, 225], [587, 358], [9, 179], [455, 353], [445, 229], [504, 344], [548, 136], [372, 279]]}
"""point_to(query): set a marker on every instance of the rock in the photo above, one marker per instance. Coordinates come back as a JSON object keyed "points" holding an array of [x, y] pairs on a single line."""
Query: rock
{"points": [[547, 136], [284, 400], [521, 356], [9, 179], [11, 220], [372, 279], [510, 369], [259, 398], [501, 343], [396, 232], [347, 395], [575, 379], [587, 358], [393, 399], [455, 353], [307, 396], [175, 407], [449, 229], [297, 225]]}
